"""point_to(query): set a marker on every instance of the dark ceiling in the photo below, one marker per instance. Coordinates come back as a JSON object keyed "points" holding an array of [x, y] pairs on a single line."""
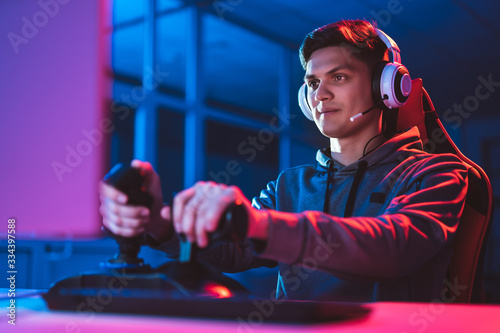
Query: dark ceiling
{"points": [[447, 43]]}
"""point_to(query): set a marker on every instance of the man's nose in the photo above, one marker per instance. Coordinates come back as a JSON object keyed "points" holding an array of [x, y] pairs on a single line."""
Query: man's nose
{"points": [[323, 93]]}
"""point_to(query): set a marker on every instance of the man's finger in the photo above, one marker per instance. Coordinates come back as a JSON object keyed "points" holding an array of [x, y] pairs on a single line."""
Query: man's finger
{"points": [[166, 213], [179, 202], [112, 193], [200, 226], [122, 231], [121, 221], [147, 171], [190, 215], [124, 210], [214, 211]]}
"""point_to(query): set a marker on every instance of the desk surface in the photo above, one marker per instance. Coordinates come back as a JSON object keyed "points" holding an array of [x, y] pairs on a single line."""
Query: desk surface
{"points": [[32, 315]]}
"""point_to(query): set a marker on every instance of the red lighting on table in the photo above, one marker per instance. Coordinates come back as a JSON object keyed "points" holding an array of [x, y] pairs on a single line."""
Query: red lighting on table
{"points": [[217, 291]]}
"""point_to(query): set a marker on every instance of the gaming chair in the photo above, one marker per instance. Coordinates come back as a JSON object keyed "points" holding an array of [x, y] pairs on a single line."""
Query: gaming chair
{"points": [[466, 267]]}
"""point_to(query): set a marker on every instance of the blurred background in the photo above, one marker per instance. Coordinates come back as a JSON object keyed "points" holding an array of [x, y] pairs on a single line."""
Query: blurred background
{"points": [[203, 90]]}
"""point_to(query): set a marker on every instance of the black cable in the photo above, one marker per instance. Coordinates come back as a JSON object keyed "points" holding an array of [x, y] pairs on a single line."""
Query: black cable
{"points": [[364, 149]]}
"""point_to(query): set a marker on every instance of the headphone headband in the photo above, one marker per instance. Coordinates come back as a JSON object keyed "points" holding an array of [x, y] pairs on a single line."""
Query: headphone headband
{"points": [[391, 45]]}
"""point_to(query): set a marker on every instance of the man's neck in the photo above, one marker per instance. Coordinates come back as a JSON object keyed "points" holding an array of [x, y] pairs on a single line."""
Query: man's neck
{"points": [[349, 150]]}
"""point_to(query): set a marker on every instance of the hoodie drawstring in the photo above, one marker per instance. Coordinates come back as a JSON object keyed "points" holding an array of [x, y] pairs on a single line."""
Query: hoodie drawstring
{"points": [[354, 188], [328, 181]]}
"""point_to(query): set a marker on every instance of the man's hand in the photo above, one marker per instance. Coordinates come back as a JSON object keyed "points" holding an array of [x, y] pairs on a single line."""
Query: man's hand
{"points": [[197, 211], [129, 221]]}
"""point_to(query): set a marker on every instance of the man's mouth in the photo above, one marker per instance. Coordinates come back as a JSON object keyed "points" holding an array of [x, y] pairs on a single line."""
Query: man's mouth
{"points": [[328, 110]]}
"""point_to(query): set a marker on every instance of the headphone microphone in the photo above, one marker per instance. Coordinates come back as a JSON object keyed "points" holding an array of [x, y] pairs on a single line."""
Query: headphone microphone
{"points": [[391, 83], [359, 115]]}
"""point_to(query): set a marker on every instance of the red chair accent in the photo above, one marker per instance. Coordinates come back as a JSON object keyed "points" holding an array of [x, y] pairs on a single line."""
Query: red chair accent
{"points": [[466, 267]]}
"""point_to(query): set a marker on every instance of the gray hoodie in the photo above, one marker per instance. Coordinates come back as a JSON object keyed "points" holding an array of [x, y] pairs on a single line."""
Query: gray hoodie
{"points": [[379, 229]]}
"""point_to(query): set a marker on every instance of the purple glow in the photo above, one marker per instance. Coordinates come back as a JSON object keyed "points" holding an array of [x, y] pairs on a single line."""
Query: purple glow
{"points": [[52, 88]]}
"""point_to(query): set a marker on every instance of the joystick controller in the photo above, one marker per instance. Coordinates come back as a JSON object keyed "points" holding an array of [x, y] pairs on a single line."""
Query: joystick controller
{"points": [[130, 181]]}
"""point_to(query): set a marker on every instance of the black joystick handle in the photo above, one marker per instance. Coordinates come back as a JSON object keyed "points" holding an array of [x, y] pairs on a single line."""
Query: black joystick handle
{"points": [[232, 225], [131, 182]]}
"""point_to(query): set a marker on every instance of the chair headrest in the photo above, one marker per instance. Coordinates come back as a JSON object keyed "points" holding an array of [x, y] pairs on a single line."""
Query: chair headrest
{"points": [[412, 113]]}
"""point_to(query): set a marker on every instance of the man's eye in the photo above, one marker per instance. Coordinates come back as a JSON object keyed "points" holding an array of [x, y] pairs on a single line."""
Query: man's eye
{"points": [[339, 77], [312, 84]]}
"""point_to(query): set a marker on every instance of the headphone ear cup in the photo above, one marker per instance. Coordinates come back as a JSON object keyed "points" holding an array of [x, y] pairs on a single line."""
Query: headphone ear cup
{"points": [[303, 103], [376, 79], [392, 83]]}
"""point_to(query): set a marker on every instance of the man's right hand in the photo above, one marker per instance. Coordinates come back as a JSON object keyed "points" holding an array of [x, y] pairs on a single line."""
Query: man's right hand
{"points": [[129, 221]]}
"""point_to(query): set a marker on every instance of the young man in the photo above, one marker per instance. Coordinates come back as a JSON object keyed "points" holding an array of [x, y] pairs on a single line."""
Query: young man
{"points": [[373, 220]]}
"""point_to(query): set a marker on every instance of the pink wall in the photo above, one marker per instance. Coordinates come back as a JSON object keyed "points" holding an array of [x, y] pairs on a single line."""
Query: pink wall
{"points": [[52, 89]]}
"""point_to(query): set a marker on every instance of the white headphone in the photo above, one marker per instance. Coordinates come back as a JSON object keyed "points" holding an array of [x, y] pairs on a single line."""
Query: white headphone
{"points": [[391, 82]]}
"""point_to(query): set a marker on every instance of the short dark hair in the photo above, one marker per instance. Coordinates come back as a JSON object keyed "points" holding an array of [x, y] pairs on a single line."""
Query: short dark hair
{"points": [[358, 35]]}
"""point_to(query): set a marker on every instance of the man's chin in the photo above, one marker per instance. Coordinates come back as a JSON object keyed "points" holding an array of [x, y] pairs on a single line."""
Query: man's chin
{"points": [[330, 134], [337, 133]]}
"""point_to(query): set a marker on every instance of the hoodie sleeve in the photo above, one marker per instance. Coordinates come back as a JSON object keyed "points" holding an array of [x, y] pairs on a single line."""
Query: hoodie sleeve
{"points": [[413, 228]]}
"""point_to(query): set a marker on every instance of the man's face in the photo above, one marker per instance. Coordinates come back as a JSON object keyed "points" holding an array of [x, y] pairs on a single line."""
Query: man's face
{"points": [[339, 87]]}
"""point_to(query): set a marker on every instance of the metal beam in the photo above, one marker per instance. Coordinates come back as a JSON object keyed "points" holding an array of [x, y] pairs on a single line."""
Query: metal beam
{"points": [[194, 154], [146, 117]]}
